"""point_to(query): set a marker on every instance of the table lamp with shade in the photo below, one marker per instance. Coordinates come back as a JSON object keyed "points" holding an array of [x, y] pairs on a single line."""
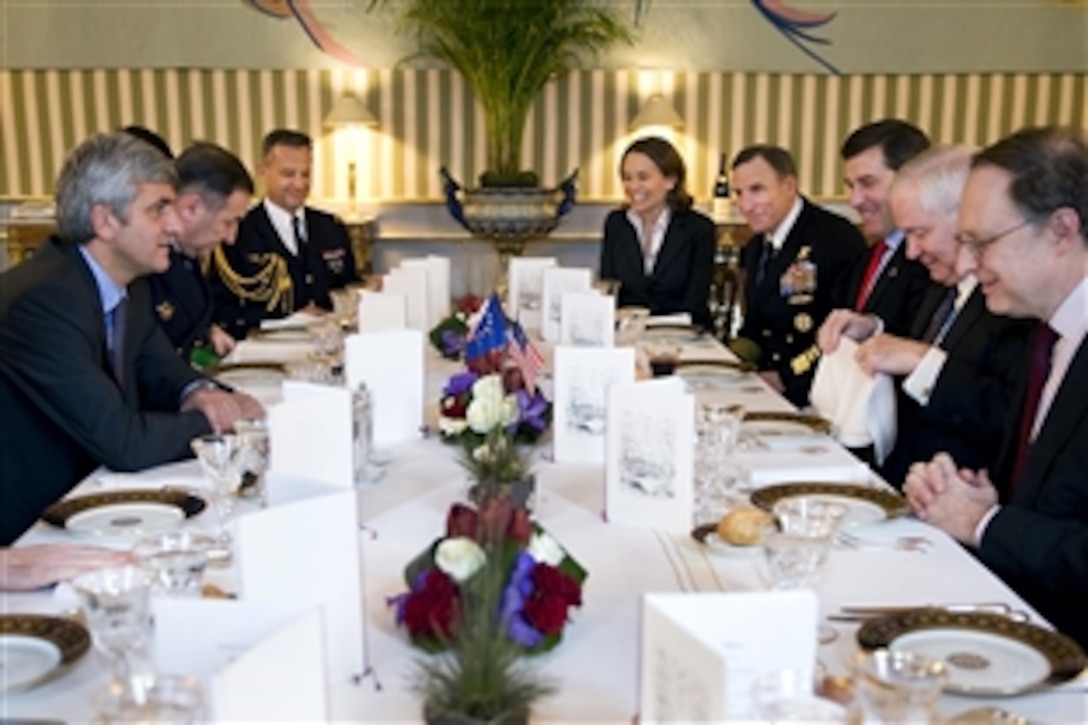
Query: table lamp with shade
{"points": [[349, 112], [656, 113]]}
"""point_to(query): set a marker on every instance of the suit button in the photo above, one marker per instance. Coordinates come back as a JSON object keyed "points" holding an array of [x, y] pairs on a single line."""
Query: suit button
{"points": [[766, 333], [789, 339], [776, 357]]}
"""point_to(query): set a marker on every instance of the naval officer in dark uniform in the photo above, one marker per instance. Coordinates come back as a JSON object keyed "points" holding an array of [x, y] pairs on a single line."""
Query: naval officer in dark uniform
{"points": [[214, 192], [289, 256], [796, 265]]}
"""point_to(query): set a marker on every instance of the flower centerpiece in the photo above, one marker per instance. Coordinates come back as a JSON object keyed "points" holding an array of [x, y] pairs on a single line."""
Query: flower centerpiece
{"points": [[495, 547], [450, 335]]}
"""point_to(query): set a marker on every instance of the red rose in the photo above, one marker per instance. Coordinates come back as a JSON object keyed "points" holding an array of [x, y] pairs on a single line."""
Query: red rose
{"points": [[520, 529], [454, 406], [512, 379], [469, 304], [550, 581], [461, 521], [433, 610], [547, 614], [495, 516]]}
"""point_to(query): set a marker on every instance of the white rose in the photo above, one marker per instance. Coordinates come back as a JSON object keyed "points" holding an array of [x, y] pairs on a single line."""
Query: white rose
{"points": [[546, 550], [488, 408], [451, 426], [460, 557]]}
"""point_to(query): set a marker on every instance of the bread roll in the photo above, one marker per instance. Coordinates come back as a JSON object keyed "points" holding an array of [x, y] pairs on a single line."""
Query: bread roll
{"points": [[743, 526]]}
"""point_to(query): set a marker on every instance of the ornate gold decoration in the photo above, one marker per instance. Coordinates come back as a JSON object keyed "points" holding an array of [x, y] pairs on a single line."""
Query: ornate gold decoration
{"points": [[271, 285]]}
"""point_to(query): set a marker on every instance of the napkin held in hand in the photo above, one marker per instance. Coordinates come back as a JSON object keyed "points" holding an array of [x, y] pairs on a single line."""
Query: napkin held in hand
{"points": [[861, 407]]}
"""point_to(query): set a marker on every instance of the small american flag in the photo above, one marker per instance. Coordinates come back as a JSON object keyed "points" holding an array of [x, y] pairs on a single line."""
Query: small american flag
{"points": [[525, 356]]}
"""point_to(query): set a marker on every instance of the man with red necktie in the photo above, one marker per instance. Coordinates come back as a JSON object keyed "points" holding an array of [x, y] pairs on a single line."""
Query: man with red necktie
{"points": [[1023, 225]]}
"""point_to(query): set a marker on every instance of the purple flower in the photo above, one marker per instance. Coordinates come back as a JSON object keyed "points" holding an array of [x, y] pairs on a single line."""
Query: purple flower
{"points": [[531, 410], [451, 342], [401, 600], [515, 594], [460, 383]]}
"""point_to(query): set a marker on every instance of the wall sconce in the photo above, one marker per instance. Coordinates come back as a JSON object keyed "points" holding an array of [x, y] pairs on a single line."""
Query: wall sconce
{"points": [[656, 112], [349, 112]]}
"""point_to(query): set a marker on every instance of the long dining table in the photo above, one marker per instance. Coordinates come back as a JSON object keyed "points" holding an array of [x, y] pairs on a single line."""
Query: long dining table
{"points": [[596, 667]]}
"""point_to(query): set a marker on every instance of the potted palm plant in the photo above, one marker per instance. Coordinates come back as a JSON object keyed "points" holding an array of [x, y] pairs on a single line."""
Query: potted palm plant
{"points": [[507, 50]]}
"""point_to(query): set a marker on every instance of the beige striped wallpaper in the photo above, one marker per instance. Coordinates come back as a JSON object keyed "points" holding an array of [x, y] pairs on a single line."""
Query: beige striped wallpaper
{"points": [[428, 118]]}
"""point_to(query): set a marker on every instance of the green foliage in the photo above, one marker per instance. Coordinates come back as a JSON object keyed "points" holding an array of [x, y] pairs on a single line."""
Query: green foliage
{"points": [[507, 50]]}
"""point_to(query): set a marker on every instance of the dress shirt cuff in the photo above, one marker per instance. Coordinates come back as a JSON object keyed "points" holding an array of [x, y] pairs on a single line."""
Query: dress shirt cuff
{"points": [[919, 384], [879, 330], [980, 527], [203, 384]]}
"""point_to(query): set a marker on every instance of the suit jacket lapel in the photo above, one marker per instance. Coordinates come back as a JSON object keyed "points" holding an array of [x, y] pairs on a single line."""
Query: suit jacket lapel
{"points": [[969, 314], [1065, 414], [786, 256], [671, 245], [888, 275], [275, 244]]}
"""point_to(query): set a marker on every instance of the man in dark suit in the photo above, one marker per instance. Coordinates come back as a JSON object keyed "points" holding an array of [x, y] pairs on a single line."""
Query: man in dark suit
{"points": [[213, 194], [1024, 235], [86, 375], [884, 283], [288, 256], [794, 264], [960, 364]]}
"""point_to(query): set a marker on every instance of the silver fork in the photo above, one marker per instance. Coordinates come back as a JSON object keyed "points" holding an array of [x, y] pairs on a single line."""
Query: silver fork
{"points": [[849, 540]]}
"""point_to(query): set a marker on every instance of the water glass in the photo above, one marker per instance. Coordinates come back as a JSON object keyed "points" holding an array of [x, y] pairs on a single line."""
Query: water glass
{"points": [[797, 695], [178, 560], [117, 605], [218, 456], [717, 475], [898, 686], [344, 307], [152, 699], [254, 457]]}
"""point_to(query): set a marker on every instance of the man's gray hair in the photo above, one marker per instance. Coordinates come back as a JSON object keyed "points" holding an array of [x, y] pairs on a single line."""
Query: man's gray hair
{"points": [[107, 168], [937, 175]]}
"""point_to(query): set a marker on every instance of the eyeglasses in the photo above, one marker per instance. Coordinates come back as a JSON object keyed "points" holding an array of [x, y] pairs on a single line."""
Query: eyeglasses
{"points": [[977, 246]]}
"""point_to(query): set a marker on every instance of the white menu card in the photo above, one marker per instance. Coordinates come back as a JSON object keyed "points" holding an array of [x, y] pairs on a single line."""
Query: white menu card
{"points": [[701, 652], [582, 376], [391, 365], [438, 285], [382, 311], [411, 282], [587, 319], [525, 284], [650, 455], [557, 282], [311, 434]]}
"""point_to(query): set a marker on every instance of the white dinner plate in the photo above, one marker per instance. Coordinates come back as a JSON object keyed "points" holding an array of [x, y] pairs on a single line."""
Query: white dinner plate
{"points": [[35, 648], [773, 426], [864, 505], [25, 661], [979, 663], [125, 519], [250, 376]]}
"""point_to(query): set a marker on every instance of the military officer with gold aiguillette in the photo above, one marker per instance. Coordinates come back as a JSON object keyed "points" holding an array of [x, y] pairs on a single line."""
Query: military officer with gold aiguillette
{"points": [[796, 266]]}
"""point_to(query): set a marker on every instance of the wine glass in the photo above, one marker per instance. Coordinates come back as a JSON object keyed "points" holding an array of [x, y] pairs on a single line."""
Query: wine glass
{"points": [[896, 686], [152, 699], [717, 427], [254, 457], [117, 604], [798, 545], [218, 456], [178, 560]]}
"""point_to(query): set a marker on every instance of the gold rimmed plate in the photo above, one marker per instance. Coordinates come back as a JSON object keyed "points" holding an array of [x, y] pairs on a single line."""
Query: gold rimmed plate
{"points": [[713, 367], [985, 654], [250, 374], [678, 334], [866, 505], [36, 648], [281, 334], [124, 513], [784, 425]]}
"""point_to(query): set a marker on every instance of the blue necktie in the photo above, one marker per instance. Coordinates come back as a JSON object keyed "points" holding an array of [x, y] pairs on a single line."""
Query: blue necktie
{"points": [[116, 321]]}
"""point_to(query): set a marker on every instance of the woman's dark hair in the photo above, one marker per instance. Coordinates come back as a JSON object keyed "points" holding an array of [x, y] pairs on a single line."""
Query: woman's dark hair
{"points": [[667, 159]]}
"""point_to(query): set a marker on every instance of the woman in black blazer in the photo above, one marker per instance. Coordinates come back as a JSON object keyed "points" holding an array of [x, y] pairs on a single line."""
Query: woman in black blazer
{"points": [[656, 245]]}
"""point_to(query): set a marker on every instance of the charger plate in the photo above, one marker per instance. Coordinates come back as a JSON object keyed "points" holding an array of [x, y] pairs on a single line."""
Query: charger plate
{"points": [[678, 334], [124, 512], [281, 334], [241, 375], [780, 424], [35, 648], [867, 505], [986, 654]]}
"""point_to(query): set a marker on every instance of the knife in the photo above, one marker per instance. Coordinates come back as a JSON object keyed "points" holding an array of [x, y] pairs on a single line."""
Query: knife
{"points": [[858, 612]]}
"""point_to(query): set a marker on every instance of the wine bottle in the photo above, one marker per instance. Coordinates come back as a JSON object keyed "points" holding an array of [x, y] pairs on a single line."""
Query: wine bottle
{"points": [[723, 203]]}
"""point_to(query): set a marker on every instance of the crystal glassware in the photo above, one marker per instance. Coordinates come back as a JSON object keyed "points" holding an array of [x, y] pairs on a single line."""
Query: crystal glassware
{"points": [[897, 686], [799, 695], [254, 457], [152, 699], [117, 604], [218, 456], [177, 559]]}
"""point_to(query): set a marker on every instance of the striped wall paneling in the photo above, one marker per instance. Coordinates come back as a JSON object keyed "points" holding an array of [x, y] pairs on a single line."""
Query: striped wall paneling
{"points": [[428, 118]]}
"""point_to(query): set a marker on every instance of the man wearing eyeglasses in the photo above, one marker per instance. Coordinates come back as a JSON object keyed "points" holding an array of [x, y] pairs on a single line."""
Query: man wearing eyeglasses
{"points": [[960, 363], [1023, 235]]}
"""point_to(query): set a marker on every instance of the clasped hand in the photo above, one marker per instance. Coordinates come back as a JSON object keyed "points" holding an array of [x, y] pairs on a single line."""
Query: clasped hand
{"points": [[954, 500]]}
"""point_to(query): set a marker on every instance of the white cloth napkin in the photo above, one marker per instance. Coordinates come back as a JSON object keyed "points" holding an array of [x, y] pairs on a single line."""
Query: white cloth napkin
{"points": [[679, 318], [861, 408]]}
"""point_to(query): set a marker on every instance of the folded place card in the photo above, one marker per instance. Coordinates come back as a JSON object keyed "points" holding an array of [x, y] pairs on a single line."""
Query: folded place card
{"points": [[526, 289], [557, 282], [413, 284], [438, 285], [311, 433], [258, 661], [582, 377], [587, 319], [390, 364], [379, 311], [702, 652], [318, 563], [649, 455]]}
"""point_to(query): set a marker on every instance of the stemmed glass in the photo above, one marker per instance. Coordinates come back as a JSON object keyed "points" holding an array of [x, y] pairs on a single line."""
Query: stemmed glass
{"points": [[152, 698], [717, 427], [797, 547], [218, 456], [117, 604], [254, 457]]}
